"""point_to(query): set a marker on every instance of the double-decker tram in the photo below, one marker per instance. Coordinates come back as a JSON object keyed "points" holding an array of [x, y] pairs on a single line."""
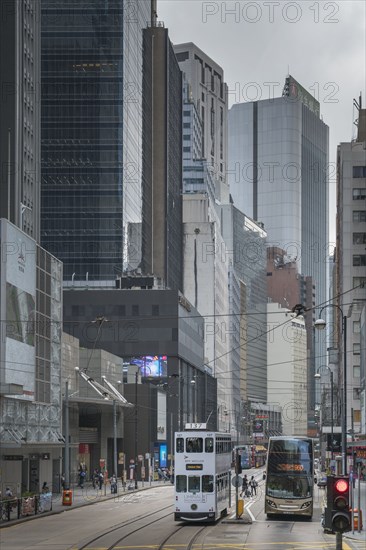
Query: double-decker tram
{"points": [[289, 478], [246, 456], [202, 474]]}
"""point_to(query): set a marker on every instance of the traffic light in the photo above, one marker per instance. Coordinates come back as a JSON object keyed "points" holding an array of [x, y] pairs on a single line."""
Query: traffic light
{"points": [[238, 468], [338, 516]]}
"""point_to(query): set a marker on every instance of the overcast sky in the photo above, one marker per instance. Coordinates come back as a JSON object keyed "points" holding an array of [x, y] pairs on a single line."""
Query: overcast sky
{"points": [[322, 44]]}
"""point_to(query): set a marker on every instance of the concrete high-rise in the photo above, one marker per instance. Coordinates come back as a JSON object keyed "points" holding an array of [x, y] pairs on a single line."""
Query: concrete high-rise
{"points": [[350, 266], [92, 135], [161, 233], [278, 175], [207, 91], [20, 114]]}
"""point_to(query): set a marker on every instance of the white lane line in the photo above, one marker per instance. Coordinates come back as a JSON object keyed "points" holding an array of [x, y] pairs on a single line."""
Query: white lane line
{"points": [[247, 509]]}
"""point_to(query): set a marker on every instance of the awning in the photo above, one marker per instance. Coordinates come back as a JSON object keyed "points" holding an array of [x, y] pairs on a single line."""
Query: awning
{"points": [[109, 394]]}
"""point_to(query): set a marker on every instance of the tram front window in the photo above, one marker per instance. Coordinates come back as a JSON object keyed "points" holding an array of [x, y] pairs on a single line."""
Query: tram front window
{"points": [[194, 445], [181, 484], [193, 484], [209, 445]]}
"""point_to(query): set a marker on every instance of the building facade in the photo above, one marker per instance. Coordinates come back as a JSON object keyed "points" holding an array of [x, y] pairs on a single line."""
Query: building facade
{"points": [[205, 121], [20, 151], [287, 370], [92, 135], [162, 159], [351, 262], [278, 175], [30, 358]]}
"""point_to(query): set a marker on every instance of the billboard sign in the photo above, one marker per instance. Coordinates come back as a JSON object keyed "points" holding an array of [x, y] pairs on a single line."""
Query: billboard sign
{"points": [[18, 308]]}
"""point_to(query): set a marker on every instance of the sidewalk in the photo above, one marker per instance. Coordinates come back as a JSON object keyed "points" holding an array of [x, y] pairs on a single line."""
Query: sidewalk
{"points": [[88, 495]]}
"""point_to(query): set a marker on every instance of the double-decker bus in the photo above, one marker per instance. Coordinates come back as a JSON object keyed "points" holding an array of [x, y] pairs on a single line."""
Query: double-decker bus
{"points": [[289, 476], [202, 474]]}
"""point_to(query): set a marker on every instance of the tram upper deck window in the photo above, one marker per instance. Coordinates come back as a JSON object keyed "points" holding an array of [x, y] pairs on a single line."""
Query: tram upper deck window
{"points": [[179, 445], [194, 485], [181, 484], [209, 445], [194, 445]]}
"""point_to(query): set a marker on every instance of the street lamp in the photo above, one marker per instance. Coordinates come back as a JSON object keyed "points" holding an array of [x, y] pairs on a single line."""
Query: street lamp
{"points": [[318, 376], [320, 324]]}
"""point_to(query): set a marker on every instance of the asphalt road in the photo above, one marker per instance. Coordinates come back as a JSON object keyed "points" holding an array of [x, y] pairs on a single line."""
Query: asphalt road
{"points": [[144, 521]]}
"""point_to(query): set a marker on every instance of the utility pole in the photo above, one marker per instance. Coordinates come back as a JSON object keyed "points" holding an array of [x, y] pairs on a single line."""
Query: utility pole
{"points": [[115, 440], [67, 442]]}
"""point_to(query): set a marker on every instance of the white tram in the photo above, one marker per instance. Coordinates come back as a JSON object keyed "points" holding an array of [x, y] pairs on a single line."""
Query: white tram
{"points": [[202, 474]]}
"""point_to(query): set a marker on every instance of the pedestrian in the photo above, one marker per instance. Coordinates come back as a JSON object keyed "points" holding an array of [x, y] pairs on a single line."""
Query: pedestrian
{"points": [[244, 488], [45, 488], [63, 481], [113, 482], [95, 478], [81, 479], [8, 492], [253, 486], [100, 480]]}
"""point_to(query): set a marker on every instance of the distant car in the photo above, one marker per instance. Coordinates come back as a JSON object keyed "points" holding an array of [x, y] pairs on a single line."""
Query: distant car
{"points": [[322, 481]]}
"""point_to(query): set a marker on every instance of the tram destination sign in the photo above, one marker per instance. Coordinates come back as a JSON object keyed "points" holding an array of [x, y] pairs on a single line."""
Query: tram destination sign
{"points": [[194, 466], [196, 426]]}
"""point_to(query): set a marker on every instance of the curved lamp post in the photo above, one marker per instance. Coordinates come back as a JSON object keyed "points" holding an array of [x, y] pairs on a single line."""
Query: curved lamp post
{"points": [[320, 324], [318, 376]]}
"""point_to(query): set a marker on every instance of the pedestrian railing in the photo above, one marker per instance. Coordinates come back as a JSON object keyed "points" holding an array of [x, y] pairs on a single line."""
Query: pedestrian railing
{"points": [[16, 508]]}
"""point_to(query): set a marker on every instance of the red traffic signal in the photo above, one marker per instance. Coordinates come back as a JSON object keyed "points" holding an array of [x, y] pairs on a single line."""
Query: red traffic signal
{"points": [[341, 517], [341, 485]]}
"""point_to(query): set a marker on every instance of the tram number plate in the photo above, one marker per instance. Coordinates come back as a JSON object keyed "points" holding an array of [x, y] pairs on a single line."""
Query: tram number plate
{"points": [[194, 466]]}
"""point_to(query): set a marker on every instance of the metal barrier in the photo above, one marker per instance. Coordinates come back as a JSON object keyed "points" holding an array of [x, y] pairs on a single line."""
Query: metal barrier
{"points": [[16, 508]]}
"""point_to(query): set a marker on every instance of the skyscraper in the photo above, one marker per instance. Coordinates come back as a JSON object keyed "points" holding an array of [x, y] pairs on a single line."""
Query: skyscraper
{"points": [[278, 174], [161, 236], [92, 135], [20, 114]]}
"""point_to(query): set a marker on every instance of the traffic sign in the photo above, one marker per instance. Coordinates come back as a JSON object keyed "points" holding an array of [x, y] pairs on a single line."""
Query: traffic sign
{"points": [[237, 479]]}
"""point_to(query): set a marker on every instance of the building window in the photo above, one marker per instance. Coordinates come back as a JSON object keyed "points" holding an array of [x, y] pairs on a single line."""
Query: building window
{"points": [[359, 281], [186, 149], [356, 348], [356, 393], [182, 56], [359, 259], [203, 97], [135, 310], [358, 193], [186, 137], [356, 327], [186, 124], [359, 216], [356, 371], [359, 171], [359, 238], [186, 113]]}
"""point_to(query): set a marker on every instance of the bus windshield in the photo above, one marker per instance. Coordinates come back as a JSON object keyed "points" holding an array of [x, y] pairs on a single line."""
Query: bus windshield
{"points": [[289, 487], [290, 468]]}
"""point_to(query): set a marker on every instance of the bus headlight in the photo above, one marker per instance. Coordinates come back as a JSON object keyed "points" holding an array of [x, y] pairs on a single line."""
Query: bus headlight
{"points": [[193, 506], [271, 503], [305, 505]]}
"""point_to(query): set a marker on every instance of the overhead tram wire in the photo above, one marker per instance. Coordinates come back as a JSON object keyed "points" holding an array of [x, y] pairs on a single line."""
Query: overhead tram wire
{"points": [[249, 341]]}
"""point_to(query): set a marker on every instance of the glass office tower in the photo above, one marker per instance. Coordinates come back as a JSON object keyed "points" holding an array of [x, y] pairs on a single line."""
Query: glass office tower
{"points": [[91, 135]]}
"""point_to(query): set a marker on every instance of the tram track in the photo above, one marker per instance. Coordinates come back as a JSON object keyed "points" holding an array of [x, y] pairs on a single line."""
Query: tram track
{"points": [[122, 525], [189, 543]]}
